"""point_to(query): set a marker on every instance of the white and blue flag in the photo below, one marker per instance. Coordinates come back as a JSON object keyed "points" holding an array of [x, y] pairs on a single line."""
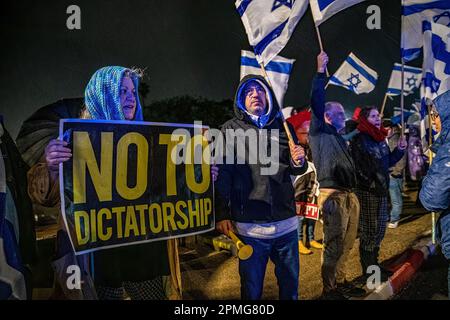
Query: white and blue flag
{"points": [[436, 59], [269, 24], [355, 76], [12, 280], [278, 70], [414, 12], [324, 9], [411, 80]]}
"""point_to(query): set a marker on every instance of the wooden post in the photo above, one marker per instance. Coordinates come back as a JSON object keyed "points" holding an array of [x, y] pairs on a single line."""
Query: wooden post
{"points": [[402, 100], [383, 105], [321, 47], [430, 155]]}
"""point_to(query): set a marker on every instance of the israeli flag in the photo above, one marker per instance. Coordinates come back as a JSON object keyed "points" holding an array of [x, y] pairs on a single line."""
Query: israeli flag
{"points": [[414, 12], [269, 24], [12, 281], [411, 80], [355, 76], [278, 70], [436, 59], [324, 9]]}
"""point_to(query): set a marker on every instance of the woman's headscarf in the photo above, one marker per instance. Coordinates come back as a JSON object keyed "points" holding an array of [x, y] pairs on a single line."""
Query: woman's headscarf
{"points": [[102, 94]]}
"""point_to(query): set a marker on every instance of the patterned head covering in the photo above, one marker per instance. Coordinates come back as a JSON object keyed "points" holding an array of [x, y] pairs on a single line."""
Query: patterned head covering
{"points": [[102, 94]]}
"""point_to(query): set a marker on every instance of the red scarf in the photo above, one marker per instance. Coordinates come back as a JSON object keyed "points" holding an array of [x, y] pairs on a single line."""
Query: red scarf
{"points": [[366, 127]]}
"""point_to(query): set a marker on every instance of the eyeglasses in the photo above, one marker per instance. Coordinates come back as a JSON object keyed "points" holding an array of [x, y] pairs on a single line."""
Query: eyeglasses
{"points": [[249, 90], [434, 115]]}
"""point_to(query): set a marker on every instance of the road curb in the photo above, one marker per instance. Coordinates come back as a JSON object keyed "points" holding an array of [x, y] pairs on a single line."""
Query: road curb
{"points": [[404, 270]]}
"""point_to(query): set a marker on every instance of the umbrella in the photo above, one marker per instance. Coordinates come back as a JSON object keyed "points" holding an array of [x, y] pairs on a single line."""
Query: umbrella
{"points": [[43, 125]]}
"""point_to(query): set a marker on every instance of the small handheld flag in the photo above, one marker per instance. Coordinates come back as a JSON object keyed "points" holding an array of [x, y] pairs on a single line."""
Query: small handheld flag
{"points": [[355, 76]]}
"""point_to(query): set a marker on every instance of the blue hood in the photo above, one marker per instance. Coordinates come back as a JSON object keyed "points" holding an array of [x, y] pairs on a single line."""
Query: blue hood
{"points": [[102, 94], [442, 104]]}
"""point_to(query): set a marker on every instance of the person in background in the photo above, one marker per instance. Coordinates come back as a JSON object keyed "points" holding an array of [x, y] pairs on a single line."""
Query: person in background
{"points": [[396, 175], [17, 229], [336, 175], [373, 158], [435, 192], [306, 185]]}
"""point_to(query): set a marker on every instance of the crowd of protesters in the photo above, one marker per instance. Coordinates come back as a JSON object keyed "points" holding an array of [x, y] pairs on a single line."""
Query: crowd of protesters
{"points": [[350, 170]]}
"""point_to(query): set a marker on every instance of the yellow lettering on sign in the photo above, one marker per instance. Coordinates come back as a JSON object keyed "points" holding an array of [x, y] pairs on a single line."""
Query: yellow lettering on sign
{"points": [[208, 210], [193, 185], [130, 222], [119, 211], [168, 211], [141, 208], [81, 229], [101, 232], [122, 166], [179, 206], [84, 157], [194, 213], [171, 182], [155, 218]]}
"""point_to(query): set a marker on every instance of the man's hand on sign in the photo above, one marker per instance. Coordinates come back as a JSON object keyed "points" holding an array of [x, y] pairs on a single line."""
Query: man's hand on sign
{"points": [[214, 172], [297, 153], [56, 153], [224, 227]]}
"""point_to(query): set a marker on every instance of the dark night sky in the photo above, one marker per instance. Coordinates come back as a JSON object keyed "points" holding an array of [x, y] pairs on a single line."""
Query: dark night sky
{"points": [[187, 47]]}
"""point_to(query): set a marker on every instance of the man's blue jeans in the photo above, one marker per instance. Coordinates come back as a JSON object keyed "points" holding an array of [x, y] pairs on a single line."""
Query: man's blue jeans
{"points": [[283, 252], [310, 224], [395, 191]]}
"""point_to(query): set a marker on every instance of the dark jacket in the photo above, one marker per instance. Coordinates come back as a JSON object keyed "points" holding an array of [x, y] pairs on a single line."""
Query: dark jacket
{"points": [[373, 160], [243, 193], [435, 192], [334, 164], [16, 179]]}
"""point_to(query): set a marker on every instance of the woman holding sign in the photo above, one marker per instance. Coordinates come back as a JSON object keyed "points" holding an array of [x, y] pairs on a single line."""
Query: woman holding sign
{"points": [[142, 271]]}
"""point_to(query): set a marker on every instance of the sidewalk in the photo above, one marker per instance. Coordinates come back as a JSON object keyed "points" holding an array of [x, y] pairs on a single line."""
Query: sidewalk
{"points": [[209, 274]]}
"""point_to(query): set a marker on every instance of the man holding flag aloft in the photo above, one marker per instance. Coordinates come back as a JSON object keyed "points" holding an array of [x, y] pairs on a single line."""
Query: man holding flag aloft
{"points": [[336, 175]]}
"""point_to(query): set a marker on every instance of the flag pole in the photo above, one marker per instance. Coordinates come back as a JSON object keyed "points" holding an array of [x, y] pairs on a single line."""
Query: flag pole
{"points": [[285, 125], [402, 100], [320, 42], [383, 105], [430, 155]]}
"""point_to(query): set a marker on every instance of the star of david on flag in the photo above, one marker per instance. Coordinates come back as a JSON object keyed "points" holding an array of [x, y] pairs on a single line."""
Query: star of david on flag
{"points": [[355, 76], [411, 80], [269, 24], [279, 3]]}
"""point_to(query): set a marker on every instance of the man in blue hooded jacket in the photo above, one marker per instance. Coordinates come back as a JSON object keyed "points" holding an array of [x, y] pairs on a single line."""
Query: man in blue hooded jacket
{"points": [[255, 203], [435, 192]]}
